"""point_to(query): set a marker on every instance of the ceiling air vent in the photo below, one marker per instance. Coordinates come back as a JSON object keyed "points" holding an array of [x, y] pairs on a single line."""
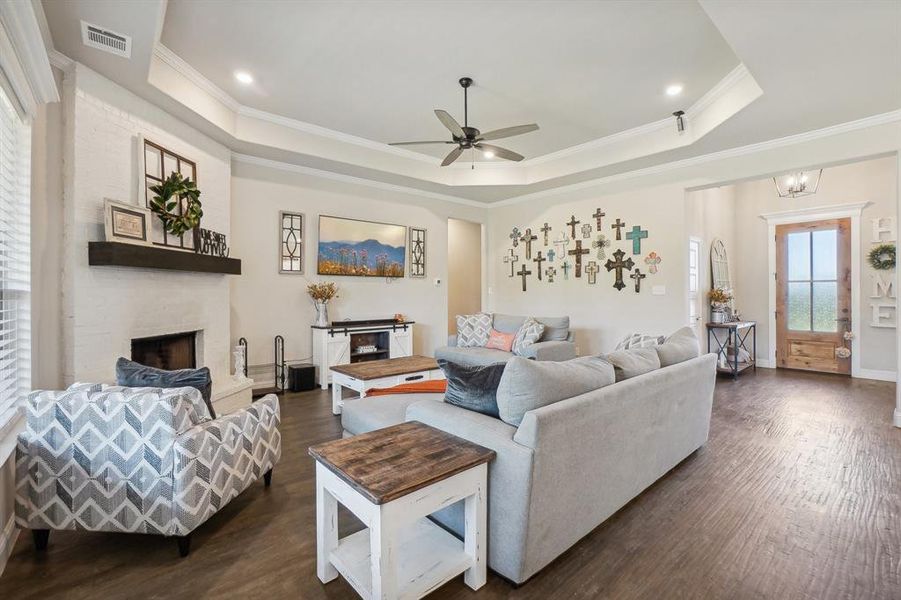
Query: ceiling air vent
{"points": [[103, 39]]}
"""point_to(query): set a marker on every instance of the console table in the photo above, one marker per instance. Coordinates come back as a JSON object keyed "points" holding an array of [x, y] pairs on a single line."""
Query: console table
{"points": [[737, 334], [337, 344]]}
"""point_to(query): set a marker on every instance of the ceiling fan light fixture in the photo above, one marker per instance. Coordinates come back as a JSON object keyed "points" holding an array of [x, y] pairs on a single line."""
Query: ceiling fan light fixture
{"points": [[488, 154]]}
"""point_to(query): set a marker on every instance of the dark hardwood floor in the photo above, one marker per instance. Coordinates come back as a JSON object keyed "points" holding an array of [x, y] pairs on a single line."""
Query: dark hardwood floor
{"points": [[796, 495]]}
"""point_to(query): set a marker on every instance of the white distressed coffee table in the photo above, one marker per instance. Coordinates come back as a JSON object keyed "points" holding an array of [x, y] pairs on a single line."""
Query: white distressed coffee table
{"points": [[392, 479], [364, 376]]}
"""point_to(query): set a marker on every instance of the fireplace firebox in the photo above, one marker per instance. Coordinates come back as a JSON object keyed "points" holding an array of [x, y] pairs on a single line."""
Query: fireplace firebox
{"points": [[170, 352]]}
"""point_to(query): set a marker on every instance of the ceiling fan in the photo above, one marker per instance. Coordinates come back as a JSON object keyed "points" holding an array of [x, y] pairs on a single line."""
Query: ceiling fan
{"points": [[467, 137]]}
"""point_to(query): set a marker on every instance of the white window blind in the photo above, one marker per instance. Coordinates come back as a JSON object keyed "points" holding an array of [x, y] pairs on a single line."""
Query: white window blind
{"points": [[15, 270]]}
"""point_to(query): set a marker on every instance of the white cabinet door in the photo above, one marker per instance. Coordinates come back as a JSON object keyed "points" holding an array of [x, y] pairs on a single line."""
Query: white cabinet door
{"points": [[338, 348], [401, 343]]}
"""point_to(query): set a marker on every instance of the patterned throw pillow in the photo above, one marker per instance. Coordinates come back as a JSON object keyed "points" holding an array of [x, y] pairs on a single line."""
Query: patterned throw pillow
{"points": [[529, 333], [473, 330], [640, 340], [500, 341]]}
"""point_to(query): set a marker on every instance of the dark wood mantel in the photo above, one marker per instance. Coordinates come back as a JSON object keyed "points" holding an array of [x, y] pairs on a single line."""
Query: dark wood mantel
{"points": [[117, 254]]}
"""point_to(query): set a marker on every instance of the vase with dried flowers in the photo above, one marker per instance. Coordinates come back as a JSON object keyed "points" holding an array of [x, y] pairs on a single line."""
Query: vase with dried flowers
{"points": [[320, 294], [720, 301]]}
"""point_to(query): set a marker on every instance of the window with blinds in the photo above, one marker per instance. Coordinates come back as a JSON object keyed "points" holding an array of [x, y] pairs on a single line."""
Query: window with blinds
{"points": [[15, 271]]}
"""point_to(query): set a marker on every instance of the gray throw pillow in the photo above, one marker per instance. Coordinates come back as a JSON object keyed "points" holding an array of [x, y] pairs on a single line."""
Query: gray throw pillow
{"points": [[472, 387], [132, 374], [529, 384], [473, 330], [528, 334], [679, 347], [632, 363]]}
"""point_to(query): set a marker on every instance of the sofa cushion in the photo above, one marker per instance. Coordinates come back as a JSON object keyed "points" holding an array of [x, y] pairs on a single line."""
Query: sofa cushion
{"points": [[639, 340], [472, 356], [679, 347], [473, 387], [472, 330], [556, 329], [507, 323], [528, 334], [368, 414], [500, 341], [634, 362], [528, 384], [132, 374]]}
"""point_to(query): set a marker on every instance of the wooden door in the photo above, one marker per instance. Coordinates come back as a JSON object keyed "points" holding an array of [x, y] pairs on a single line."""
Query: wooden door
{"points": [[813, 294]]}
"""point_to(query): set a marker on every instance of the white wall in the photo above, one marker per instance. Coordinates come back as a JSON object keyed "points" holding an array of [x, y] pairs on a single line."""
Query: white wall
{"points": [[464, 270], [266, 303], [710, 215], [600, 315]]}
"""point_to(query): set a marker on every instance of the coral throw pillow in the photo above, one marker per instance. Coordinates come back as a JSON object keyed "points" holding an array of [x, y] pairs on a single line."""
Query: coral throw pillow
{"points": [[500, 341]]}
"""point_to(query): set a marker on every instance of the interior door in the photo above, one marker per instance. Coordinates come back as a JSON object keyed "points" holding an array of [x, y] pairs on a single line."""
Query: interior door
{"points": [[813, 294], [694, 286]]}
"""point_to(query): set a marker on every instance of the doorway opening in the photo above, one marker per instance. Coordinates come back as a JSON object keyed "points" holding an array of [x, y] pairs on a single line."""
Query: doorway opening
{"points": [[694, 286], [464, 270]]}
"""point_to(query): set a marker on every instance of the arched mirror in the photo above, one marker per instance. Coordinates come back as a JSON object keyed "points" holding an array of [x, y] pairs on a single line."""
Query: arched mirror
{"points": [[719, 265]]}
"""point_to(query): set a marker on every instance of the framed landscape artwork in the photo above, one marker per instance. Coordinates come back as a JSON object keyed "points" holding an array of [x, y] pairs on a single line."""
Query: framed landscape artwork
{"points": [[361, 248]]}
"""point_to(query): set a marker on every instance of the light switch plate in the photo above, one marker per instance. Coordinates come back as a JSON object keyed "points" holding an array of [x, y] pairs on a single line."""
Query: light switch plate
{"points": [[658, 290]]}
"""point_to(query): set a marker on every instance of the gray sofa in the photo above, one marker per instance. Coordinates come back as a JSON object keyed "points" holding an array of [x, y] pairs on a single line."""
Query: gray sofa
{"points": [[569, 465], [556, 343]]}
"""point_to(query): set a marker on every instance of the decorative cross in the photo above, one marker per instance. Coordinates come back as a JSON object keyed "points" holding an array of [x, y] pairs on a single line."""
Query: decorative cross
{"points": [[592, 270], [652, 261], [586, 230], [637, 275], [566, 267], [572, 225], [618, 225], [527, 238], [522, 273], [545, 231], [578, 251], [636, 235], [619, 264], [550, 255], [561, 242], [597, 215], [550, 272], [539, 259], [600, 243], [515, 236], [511, 258]]}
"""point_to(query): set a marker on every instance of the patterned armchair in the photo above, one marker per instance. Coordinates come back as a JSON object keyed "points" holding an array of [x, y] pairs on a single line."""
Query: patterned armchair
{"points": [[141, 460]]}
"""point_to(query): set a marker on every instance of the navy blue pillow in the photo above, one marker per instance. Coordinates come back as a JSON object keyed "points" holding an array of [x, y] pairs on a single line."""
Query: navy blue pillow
{"points": [[132, 374], [473, 387]]}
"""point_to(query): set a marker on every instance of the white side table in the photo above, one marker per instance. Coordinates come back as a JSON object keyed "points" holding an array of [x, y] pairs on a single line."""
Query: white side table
{"points": [[401, 553]]}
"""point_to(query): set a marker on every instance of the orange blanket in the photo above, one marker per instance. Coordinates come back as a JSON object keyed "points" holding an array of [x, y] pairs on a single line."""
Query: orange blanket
{"points": [[429, 386]]}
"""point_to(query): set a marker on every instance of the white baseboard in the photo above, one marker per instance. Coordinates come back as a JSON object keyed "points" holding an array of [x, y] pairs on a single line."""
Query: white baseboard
{"points": [[875, 374], [898, 417], [764, 364], [7, 541]]}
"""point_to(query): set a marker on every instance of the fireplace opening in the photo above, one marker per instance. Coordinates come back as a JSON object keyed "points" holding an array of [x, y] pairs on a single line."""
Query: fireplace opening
{"points": [[169, 352]]}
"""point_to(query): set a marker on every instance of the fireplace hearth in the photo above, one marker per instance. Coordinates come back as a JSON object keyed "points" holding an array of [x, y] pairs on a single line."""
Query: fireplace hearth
{"points": [[171, 352]]}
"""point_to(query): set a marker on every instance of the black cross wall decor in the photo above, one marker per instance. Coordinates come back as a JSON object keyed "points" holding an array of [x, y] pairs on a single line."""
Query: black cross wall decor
{"points": [[618, 226], [619, 264], [523, 273], [578, 251], [539, 259], [527, 238], [550, 272], [515, 236], [637, 275], [597, 215], [545, 230], [572, 225]]}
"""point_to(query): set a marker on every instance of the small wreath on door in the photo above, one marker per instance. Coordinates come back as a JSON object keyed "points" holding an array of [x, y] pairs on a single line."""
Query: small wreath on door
{"points": [[882, 257]]}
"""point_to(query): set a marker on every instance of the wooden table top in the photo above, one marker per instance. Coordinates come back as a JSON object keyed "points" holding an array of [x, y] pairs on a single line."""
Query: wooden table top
{"points": [[389, 367], [389, 463]]}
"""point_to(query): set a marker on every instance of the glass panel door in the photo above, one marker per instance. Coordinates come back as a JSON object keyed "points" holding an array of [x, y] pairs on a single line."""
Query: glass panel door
{"points": [[812, 284]]}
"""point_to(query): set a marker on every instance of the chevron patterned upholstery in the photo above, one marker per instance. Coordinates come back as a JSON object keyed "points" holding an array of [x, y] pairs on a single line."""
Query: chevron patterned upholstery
{"points": [[142, 460]]}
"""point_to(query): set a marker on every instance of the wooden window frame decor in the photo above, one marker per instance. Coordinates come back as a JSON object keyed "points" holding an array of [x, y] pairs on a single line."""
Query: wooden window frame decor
{"points": [[284, 253], [126, 223], [418, 245], [155, 174]]}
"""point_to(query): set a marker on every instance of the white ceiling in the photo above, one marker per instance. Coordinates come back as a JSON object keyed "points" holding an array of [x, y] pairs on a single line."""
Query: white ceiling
{"points": [[581, 70], [376, 70]]}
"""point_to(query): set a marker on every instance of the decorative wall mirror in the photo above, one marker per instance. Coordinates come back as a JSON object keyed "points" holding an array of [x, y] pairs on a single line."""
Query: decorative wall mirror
{"points": [[719, 265]]}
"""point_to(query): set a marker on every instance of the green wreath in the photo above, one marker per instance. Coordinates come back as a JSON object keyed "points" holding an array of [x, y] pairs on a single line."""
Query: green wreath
{"points": [[882, 257], [172, 191]]}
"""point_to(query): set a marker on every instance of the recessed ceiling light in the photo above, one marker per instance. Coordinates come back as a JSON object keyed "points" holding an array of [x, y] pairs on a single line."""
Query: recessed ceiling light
{"points": [[674, 90], [488, 154], [244, 77]]}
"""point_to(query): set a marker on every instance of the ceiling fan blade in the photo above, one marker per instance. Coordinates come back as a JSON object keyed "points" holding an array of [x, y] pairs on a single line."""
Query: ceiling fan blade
{"points": [[507, 132], [449, 122], [416, 143], [454, 155], [500, 152]]}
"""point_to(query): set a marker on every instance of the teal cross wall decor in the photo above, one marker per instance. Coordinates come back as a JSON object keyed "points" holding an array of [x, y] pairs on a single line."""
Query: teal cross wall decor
{"points": [[636, 235]]}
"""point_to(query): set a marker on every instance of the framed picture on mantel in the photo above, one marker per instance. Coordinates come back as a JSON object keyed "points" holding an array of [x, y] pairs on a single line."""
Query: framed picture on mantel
{"points": [[126, 223]]}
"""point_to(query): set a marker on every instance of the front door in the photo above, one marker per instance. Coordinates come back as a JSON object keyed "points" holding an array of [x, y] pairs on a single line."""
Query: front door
{"points": [[813, 294]]}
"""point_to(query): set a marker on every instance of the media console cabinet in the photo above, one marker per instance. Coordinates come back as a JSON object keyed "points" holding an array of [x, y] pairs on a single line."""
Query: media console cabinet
{"points": [[338, 344]]}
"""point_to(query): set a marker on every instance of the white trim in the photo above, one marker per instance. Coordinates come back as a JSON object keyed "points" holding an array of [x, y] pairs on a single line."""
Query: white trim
{"points": [[23, 56], [390, 187], [8, 541], [194, 76], [61, 61], [765, 364], [724, 85], [842, 211], [9, 433], [876, 374]]}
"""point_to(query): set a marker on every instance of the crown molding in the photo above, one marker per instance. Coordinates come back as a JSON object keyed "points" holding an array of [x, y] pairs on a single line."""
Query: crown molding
{"points": [[864, 123], [722, 87], [331, 175], [61, 61], [835, 211], [194, 76], [23, 55]]}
